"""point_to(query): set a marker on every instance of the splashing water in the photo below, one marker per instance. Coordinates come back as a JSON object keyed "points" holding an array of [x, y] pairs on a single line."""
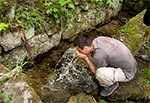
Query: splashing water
{"points": [[67, 73], [71, 76], [70, 59]]}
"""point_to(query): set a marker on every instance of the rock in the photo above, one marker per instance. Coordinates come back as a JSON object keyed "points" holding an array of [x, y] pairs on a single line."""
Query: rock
{"points": [[10, 41], [110, 29], [30, 33], [145, 58], [42, 43], [20, 92], [134, 33], [14, 57], [135, 6], [92, 16], [82, 98], [71, 77], [87, 16]]}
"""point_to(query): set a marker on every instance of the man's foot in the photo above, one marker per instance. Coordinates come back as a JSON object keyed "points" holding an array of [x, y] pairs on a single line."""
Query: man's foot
{"points": [[108, 90]]}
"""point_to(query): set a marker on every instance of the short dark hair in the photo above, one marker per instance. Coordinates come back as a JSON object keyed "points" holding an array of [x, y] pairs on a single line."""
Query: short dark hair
{"points": [[82, 40]]}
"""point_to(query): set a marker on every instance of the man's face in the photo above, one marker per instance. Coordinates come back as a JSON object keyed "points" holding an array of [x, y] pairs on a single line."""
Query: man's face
{"points": [[85, 50]]}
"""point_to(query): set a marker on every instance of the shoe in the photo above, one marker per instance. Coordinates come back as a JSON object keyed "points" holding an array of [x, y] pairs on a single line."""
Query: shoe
{"points": [[108, 90]]}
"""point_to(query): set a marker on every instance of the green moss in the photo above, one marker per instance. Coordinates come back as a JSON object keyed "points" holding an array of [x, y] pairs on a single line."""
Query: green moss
{"points": [[145, 76], [82, 98], [133, 33], [144, 80]]}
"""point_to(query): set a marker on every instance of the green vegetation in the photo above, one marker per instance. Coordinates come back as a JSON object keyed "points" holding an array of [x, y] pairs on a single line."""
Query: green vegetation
{"points": [[32, 17], [7, 74], [145, 76], [5, 96], [3, 26], [60, 9], [11, 72], [38, 13]]}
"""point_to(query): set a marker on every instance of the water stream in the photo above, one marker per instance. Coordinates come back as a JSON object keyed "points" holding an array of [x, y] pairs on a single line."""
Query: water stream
{"points": [[71, 76]]}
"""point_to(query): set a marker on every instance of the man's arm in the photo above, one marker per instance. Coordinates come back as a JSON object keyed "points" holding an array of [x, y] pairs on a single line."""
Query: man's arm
{"points": [[87, 59], [91, 65]]}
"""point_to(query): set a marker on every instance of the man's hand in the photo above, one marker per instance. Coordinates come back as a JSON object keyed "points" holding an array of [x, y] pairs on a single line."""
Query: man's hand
{"points": [[79, 54], [86, 58]]}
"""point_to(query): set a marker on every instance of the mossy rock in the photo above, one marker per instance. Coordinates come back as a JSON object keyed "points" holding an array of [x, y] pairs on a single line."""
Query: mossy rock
{"points": [[134, 33], [82, 98]]}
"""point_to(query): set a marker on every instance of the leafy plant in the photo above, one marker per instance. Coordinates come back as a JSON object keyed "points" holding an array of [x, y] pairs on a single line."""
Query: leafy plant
{"points": [[60, 8], [31, 17], [1, 1], [3, 26], [146, 74]]}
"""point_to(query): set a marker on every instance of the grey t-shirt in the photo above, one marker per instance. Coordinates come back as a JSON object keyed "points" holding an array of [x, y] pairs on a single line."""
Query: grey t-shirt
{"points": [[109, 52]]}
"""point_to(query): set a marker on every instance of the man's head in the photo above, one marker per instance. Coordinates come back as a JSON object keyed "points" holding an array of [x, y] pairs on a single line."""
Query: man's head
{"points": [[83, 42]]}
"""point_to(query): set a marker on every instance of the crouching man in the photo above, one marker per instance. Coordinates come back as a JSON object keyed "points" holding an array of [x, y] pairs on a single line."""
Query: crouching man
{"points": [[112, 62]]}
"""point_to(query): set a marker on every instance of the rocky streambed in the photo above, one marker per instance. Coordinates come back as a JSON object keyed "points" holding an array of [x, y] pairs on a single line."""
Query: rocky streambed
{"points": [[60, 77]]}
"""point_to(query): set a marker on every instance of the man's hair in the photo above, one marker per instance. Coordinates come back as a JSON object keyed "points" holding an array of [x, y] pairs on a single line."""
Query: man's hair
{"points": [[82, 40]]}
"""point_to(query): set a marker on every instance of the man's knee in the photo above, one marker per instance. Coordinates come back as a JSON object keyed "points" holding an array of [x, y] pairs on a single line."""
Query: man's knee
{"points": [[105, 76], [99, 73]]}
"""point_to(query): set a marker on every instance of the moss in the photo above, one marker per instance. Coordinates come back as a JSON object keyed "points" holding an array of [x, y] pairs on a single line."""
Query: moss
{"points": [[133, 33], [144, 77], [82, 98]]}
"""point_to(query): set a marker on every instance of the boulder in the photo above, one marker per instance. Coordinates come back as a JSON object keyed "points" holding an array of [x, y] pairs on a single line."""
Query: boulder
{"points": [[42, 43], [134, 33], [20, 92], [10, 41]]}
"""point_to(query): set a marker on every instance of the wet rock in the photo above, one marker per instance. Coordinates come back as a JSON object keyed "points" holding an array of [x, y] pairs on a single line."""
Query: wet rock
{"points": [[20, 92], [71, 77]]}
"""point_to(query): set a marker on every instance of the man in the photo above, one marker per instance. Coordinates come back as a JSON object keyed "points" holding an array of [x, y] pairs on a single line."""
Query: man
{"points": [[112, 62]]}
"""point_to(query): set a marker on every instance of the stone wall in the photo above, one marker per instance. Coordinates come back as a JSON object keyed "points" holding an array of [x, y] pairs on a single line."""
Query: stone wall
{"points": [[13, 49]]}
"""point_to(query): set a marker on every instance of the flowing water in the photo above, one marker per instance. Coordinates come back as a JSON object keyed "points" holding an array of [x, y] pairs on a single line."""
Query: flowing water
{"points": [[71, 76]]}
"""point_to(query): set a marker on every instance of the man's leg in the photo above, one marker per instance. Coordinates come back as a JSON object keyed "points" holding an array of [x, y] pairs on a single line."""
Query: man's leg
{"points": [[108, 78]]}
